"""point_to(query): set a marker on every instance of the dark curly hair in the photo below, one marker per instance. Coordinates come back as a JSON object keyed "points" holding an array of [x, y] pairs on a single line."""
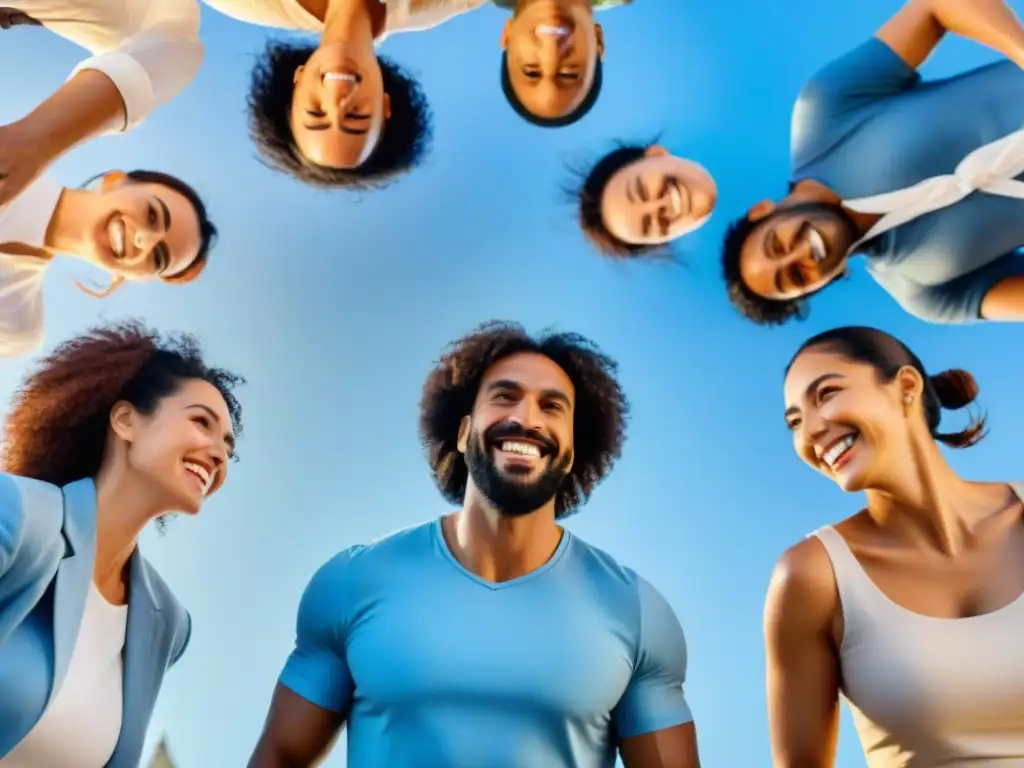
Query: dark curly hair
{"points": [[56, 429], [752, 306], [403, 143], [207, 230], [450, 391], [552, 122], [951, 389], [587, 196]]}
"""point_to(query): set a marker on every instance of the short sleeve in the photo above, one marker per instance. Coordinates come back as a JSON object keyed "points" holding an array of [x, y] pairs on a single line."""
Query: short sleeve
{"points": [[959, 301], [317, 669], [152, 67], [830, 103], [654, 698]]}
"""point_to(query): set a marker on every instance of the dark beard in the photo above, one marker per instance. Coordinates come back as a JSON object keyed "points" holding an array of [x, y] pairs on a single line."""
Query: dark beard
{"points": [[511, 497]]}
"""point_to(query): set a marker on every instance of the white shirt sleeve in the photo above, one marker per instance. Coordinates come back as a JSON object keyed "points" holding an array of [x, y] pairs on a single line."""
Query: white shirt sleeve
{"points": [[153, 66]]}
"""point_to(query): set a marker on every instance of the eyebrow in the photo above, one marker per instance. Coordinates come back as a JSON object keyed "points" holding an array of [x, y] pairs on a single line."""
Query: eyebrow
{"points": [[167, 213], [812, 387], [228, 438], [550, 394]]}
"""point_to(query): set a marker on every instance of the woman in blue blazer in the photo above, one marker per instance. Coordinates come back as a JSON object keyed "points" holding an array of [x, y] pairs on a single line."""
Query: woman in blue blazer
{"points": [[116, 428]]}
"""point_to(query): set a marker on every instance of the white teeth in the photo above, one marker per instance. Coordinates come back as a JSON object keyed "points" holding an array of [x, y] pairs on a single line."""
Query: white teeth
{"points": [[550, 29], [818, 247], [838, 449], [116, 234], [202, 473], [341, 77], [527, 449], [675, 199]]}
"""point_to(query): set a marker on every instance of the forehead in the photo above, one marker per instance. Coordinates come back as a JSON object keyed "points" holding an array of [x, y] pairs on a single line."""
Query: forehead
{"points": [[529, 371], [812, 364], [203, 393]]}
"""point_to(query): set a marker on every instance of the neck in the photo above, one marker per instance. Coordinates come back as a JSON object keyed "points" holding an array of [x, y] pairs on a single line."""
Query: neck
{"points": [[930, 506], [350, 21], [123, 508], [499, 548], [809, 191], [66, 231]]}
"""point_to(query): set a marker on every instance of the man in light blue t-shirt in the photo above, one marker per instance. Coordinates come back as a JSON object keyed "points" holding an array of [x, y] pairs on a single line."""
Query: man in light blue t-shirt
{"points": [[866, 124], [493, 637]]}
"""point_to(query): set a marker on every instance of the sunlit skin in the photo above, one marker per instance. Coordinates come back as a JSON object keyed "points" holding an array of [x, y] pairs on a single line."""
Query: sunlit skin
{"points": [[828, 398], [657, 199], [533, 392], [189, 427], [781, 259], [135, 231], [339, 107], [553, 47]]}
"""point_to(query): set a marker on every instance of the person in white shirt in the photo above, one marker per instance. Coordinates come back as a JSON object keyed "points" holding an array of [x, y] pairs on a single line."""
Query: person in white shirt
{"points": [[336, 114], [144, 53], [141, 225]]}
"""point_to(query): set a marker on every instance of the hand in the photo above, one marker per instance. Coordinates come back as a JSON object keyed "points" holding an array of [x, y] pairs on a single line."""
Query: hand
{"points": [[12, 17], [21, 163]]}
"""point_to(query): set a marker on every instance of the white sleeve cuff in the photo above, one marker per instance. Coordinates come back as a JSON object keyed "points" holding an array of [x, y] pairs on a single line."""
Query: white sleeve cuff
{"points": [[131, 79]]}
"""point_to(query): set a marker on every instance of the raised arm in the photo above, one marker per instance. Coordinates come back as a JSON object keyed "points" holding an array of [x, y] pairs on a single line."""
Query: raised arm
{"points": [[314, 693], [652, 719], [802, 663], [919, 26], [111, 92]]}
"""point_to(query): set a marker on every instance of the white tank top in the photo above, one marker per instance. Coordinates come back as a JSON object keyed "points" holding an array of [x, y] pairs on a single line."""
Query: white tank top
{"points": [[81, 726], [928, 692]]}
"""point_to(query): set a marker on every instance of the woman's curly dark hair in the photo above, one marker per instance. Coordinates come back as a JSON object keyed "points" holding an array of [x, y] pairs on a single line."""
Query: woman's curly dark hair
{"points": [[450, 391], [403, 144], [56, 429]]}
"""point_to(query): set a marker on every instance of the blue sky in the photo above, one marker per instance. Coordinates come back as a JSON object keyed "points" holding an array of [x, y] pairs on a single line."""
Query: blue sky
{"points": [[334, 307]]}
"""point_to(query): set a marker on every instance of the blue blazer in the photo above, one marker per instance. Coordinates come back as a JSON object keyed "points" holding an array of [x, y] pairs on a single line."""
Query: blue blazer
{"points": [[48, 537]]}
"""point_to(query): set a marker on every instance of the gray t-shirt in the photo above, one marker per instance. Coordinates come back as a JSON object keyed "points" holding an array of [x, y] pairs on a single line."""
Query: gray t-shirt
{"points": [[867, 124]]}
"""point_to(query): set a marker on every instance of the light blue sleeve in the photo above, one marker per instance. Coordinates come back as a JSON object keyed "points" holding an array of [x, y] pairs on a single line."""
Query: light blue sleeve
{"points": [[959, 301], [654, 698], [10, 520], [831, 103], [317, 669]]}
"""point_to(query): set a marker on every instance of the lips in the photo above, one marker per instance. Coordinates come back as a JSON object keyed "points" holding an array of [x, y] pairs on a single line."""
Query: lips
{"points": [[117, 235]]}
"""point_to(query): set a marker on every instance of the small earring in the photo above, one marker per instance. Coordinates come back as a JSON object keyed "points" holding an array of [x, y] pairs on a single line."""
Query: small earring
{"points": [[908, 399]]}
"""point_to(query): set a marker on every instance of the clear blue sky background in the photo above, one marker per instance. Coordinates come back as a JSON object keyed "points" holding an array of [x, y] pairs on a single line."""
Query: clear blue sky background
{"points": [[335, 307]]}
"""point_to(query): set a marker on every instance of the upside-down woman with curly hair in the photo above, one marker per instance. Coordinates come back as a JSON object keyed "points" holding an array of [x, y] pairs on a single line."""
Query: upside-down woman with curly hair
{"points": [[116, 428]]}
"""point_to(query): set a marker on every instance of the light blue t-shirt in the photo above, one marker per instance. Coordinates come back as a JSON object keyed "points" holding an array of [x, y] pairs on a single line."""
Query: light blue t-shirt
{"points": [[437, 668], [867, 124]]}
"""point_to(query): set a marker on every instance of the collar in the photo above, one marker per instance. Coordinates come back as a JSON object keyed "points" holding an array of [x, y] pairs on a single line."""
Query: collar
{"points": [[28, 217]]}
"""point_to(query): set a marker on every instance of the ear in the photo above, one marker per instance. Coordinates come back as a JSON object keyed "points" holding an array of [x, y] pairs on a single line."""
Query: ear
{"points": [[761, 210], [909, 383], [387, 106], [656, 150], [599, 39], [112, 180], [505, 32], [122, 420], [298, 73], [463, 439]]}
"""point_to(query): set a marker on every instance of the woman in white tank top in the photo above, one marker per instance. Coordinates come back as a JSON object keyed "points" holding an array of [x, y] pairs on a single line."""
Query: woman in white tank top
{"points": [[141, 225], [913, 608]]}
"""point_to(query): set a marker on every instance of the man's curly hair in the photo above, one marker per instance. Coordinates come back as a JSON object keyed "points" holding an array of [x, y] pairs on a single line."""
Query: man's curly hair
{"points": [[763, 311], [56, 428], [599, 421]]}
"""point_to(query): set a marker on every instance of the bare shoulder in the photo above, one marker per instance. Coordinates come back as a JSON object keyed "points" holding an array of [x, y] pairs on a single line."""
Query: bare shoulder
{"points": [[802, 586]]}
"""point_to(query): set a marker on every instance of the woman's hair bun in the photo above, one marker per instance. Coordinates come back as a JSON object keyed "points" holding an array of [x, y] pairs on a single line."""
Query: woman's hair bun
{"points": [[955, 388]]}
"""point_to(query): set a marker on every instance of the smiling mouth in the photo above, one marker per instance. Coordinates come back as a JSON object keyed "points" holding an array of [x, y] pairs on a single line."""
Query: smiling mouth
{"points": [[519, 450], [819, 251], [341, 76], [203, 474], [677, 200], [839, 451], [116, 235]]}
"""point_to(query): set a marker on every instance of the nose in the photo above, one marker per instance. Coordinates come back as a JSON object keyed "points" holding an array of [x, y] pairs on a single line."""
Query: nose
{"points": [[338, 92], [555, 43], [526, 413], [814, 426]]}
